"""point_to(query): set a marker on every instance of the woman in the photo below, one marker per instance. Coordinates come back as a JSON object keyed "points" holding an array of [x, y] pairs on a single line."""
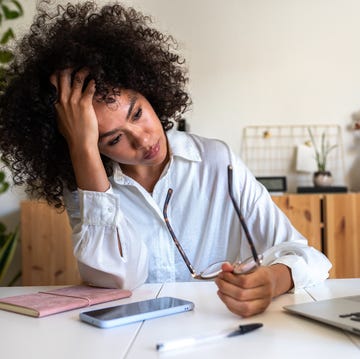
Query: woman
{"points": [[86, 123]]}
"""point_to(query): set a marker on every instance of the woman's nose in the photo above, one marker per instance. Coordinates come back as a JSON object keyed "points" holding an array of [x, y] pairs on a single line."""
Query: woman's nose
{"points": [[139, 137]]}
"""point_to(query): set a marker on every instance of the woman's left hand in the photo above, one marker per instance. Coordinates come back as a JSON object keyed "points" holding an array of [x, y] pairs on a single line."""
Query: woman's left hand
{"points": [[251, 293]]}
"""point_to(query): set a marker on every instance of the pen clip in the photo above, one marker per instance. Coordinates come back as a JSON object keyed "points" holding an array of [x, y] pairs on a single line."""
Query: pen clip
{"points": [[249, 327]]}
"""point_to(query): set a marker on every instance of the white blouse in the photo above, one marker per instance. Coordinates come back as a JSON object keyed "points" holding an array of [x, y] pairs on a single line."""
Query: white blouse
{"points": [[121, 240]]}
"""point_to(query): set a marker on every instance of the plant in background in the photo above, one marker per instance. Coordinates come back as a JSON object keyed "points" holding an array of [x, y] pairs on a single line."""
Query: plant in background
{"points": [[8, 240], [321, 153], [9, 10]]}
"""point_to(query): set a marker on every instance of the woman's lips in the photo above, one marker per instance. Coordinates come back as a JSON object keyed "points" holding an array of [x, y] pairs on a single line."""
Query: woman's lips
{"points": [[152, 152]]}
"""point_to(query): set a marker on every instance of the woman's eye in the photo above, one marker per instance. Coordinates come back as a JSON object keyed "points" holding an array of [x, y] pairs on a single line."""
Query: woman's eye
{"points": [[138, 114], [114, 141]]}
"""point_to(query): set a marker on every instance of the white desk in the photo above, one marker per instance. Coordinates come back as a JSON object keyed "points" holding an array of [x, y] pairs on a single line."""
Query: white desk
{"points": [[283, 335]]}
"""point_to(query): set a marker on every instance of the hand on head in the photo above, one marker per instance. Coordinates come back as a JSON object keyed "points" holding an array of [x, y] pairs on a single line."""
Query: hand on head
{"points": [[76, 117]]}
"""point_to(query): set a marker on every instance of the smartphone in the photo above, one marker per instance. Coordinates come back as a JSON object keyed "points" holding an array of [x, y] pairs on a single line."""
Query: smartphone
{"points": [[135, 312]]}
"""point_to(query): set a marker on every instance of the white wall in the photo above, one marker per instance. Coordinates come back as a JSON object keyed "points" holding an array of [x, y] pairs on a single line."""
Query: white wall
{"points": [[256, 62]]}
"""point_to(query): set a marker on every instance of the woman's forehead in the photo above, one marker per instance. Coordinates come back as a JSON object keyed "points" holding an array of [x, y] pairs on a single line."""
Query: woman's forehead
{"points": [[122, 102], [123, 95]]}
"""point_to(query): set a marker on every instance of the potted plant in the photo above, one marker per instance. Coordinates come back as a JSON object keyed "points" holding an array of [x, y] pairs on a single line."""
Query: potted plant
{"points": [[8, 240], [322, 177], [9, 10]]}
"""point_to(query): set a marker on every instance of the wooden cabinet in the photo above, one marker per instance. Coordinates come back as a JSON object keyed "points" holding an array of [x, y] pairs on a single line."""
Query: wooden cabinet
{"points": [[304, 213], [47, 253], [342, 234], [329, 221]]}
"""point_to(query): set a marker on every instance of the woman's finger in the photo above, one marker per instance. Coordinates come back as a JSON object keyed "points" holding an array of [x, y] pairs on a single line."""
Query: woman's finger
{"points": [[245, 308], [78, 81], [64, 85], [54, 79], [90, 89]]}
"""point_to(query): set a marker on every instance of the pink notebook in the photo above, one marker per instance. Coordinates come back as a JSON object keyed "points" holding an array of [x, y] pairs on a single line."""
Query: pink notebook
{"points": [[60, 300]]}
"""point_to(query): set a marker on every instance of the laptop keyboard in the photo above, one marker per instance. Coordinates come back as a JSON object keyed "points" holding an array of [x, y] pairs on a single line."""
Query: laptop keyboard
{"points": [[353, 316]]}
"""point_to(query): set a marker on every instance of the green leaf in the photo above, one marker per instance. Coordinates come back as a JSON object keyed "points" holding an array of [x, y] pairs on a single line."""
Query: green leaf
{"points": [[4, 187], [2, 230], [7, 252], [10, 14], [14, 279], [19, 7], [8, 35], [5, 56], [325, 148], [329, 149]]}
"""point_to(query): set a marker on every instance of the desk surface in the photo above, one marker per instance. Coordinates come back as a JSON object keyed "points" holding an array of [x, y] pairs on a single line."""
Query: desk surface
{"points": [[282, 336]]}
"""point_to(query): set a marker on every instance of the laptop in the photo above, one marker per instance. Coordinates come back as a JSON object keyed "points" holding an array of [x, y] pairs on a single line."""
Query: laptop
{"points": [[343, 312]]}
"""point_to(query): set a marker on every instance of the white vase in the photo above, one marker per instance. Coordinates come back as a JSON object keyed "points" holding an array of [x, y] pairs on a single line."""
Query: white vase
{"points": [[322, 179]]}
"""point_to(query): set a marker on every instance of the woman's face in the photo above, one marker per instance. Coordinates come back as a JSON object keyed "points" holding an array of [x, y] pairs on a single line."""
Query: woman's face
{"points": [[130, 132]]}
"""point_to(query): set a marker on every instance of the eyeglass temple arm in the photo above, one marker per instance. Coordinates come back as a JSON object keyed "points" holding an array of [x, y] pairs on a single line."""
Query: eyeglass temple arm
{"points": [[241, 218], [173, 236]]}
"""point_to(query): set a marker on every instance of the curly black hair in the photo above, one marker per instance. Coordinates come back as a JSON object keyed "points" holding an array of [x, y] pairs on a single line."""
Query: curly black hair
{"points": [[122, 51]]}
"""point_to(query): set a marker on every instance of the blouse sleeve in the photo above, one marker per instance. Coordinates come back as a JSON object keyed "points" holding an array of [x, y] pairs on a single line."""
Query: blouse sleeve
{"points": [[274, 235], [104, 243]]}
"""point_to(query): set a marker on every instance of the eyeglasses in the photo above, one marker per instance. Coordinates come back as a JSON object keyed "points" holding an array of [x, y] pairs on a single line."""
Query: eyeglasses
{"points": [[241, 267]]}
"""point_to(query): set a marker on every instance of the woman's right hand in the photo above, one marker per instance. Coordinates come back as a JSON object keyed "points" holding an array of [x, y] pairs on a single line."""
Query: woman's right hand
{"points": [[76, 116], [78, 124]]}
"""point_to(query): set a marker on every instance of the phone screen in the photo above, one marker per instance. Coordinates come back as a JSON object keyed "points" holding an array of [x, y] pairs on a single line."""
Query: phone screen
{"points": [[137, 311]]}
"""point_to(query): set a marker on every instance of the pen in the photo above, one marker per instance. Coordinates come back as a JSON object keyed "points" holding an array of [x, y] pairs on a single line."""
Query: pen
{"points": [[192, 341]]}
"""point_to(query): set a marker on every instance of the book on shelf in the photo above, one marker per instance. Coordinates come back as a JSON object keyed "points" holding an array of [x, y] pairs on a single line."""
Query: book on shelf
{"points": [[59, 300]]}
